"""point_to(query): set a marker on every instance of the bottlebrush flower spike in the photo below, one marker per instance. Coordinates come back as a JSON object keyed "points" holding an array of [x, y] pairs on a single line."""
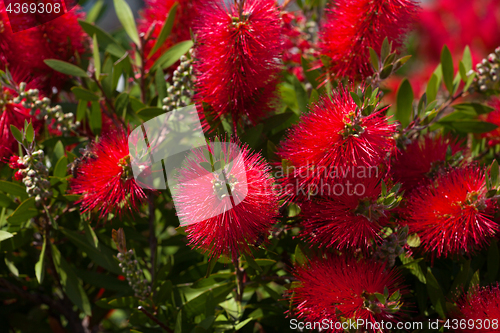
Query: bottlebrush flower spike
{"points": [[452, 215], [354, 25], [335, 137], [12, 114], [237, 58], [339, 289], [103, 176], [156, 12], [228, 221], [61, 38], [346, 217], [482, 306], [423, 159]]}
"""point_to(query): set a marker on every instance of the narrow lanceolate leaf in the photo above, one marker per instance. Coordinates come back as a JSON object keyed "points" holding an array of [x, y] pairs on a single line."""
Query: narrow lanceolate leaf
{"points": [[126, 18], [447, 68], [65, 68], [5, 235], [173, 54], [97, 57], [16, 133], [404, 103], [165, 30], [39, 266]]}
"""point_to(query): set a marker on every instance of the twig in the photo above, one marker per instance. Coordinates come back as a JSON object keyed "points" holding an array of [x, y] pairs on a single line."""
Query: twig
{"points": [[239, 282], [156, 320]]}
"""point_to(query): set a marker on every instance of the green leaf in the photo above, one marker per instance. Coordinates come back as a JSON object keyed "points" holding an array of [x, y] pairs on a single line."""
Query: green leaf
{"points": [[243, 323], [436, 294], [300, 258], [84, 94], [413, 240], [150, 112], [95, 118], [16, 133], [462, 71], [178, 323], [473, 108], [97, 56], [81, 110], [24, 212], [126, 18], [494, 173], [121, 103], [473, 126], [96, 10], [165, 30], [70, 282], [493, 261], [173, 54], [385, 49], [447, 68], [12, 268], [196, 305], [300, 94], [251, 262], [105, 40], [374, 59], [5, 235], [467, 59], [161, 86], [404, 103], [61, 167], [253, 135], [90, 234], [165, 292], [14, 189], [102, 256], [39, 266], [65, 68], [432, 88], [30, 133], [460, 280]]}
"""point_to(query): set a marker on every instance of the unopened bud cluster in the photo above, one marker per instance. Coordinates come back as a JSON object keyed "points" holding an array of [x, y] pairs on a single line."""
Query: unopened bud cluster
{"points": [[53, 116], [181, 90], [35, 176], [487, 73], [392, 247], [134, 274]]}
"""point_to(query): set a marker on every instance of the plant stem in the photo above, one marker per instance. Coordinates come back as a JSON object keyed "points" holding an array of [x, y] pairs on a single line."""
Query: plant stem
{"points": [[156, 320], [153, 242], [239, 283]]}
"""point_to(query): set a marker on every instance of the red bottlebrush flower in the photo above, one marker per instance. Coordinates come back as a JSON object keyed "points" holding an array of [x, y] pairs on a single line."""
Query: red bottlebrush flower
{"points": [[12, 114], [480, 308], [452, 214], [156, 12], [334, 136], [338, 289], [237, 58], [348, 216], [354, 25], [422, 159], [224, 221], [104, 177], [61, 38], [494, 118]]}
